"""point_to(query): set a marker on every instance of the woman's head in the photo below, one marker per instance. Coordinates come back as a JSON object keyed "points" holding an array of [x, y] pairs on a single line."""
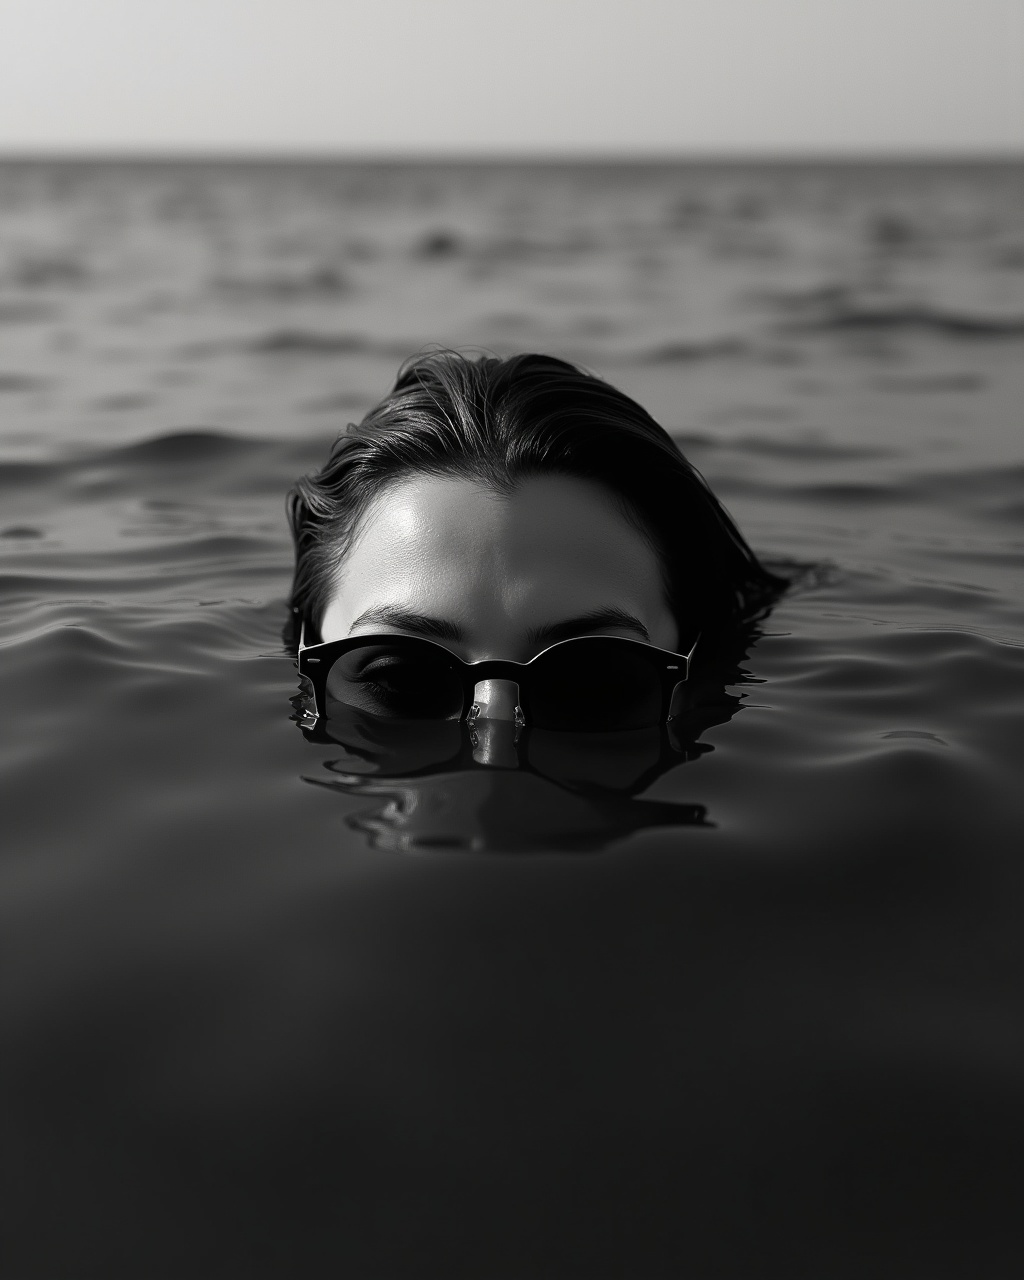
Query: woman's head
{"points": [[499, 505]]}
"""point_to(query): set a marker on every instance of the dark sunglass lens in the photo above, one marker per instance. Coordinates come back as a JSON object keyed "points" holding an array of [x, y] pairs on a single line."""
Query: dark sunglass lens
{"points": [[408, 680], [594, 684]]}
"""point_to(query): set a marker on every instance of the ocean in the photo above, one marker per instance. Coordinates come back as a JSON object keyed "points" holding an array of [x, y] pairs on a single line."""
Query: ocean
{"points": [[744, 1001]]}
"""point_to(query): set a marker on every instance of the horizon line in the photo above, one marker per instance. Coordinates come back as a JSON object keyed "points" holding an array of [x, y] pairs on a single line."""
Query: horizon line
{"points": [[523, 156]]}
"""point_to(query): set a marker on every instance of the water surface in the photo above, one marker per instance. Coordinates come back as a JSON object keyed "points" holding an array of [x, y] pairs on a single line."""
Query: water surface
{"points": [[744, 1002]]}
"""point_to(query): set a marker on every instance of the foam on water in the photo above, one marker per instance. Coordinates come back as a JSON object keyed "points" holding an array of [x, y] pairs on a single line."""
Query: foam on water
{"points": [[740, 1001]]}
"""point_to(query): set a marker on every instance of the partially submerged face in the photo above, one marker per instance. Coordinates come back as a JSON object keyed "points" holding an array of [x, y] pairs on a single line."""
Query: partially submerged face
{"points": [[495, 576]]}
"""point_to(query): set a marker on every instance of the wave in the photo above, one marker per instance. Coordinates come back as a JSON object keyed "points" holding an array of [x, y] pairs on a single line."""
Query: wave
{"points": [[26, 312], [196, 444], [440, 243], [50, 273], [980, 491], [308, 342], [836, 308], [954, 686], [304, 342], [934, 384], [21, 531], [132, 469], [16, 476], [961, 324], [20, 382], [152, 515], [318, 282], [689, 352], [774, 447]]}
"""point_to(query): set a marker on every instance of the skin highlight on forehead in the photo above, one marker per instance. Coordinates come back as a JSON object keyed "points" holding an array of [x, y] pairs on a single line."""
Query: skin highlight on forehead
{"points": [[499, 575]]}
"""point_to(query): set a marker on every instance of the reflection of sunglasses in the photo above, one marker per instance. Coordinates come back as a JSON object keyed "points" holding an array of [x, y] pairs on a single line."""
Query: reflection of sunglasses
{"points": [[377, 750], [587, 683]]}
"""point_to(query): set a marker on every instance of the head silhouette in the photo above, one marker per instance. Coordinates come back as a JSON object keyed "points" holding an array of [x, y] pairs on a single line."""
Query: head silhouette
{"points": [[499, 505]]}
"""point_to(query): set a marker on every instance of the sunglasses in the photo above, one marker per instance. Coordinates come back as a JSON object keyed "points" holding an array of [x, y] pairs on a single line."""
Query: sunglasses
{"points": [[590, 683]]}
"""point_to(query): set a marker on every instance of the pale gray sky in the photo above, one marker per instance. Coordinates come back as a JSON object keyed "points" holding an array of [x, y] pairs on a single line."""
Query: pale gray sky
{"points": [[555, 76]]}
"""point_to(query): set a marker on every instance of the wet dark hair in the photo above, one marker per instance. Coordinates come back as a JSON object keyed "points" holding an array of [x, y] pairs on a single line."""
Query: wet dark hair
{"points": [[501, 421]]}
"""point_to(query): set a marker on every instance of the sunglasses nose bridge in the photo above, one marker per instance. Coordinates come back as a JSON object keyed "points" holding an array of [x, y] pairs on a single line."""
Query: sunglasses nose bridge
{"points": [[496, 700]]}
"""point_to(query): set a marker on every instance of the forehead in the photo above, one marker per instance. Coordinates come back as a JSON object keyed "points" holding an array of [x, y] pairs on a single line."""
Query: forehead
{"points": [[452, 547], [561, 518]]}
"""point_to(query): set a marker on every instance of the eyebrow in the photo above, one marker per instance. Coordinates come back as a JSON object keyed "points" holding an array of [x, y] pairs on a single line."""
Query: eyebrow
{"points": [[585, 623], [417, 624], [422, 624]]}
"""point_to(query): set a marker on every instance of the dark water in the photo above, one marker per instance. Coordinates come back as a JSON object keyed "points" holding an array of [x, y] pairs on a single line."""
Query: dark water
{"points": [[745, 1001]]}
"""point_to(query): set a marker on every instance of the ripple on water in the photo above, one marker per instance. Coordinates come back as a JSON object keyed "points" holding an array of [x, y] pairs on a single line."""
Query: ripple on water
{"points": [[897, 690], [263, 1026]]}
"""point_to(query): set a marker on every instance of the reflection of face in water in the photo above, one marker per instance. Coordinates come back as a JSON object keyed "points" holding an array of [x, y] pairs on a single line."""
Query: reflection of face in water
{"points": [[492, 785]]}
